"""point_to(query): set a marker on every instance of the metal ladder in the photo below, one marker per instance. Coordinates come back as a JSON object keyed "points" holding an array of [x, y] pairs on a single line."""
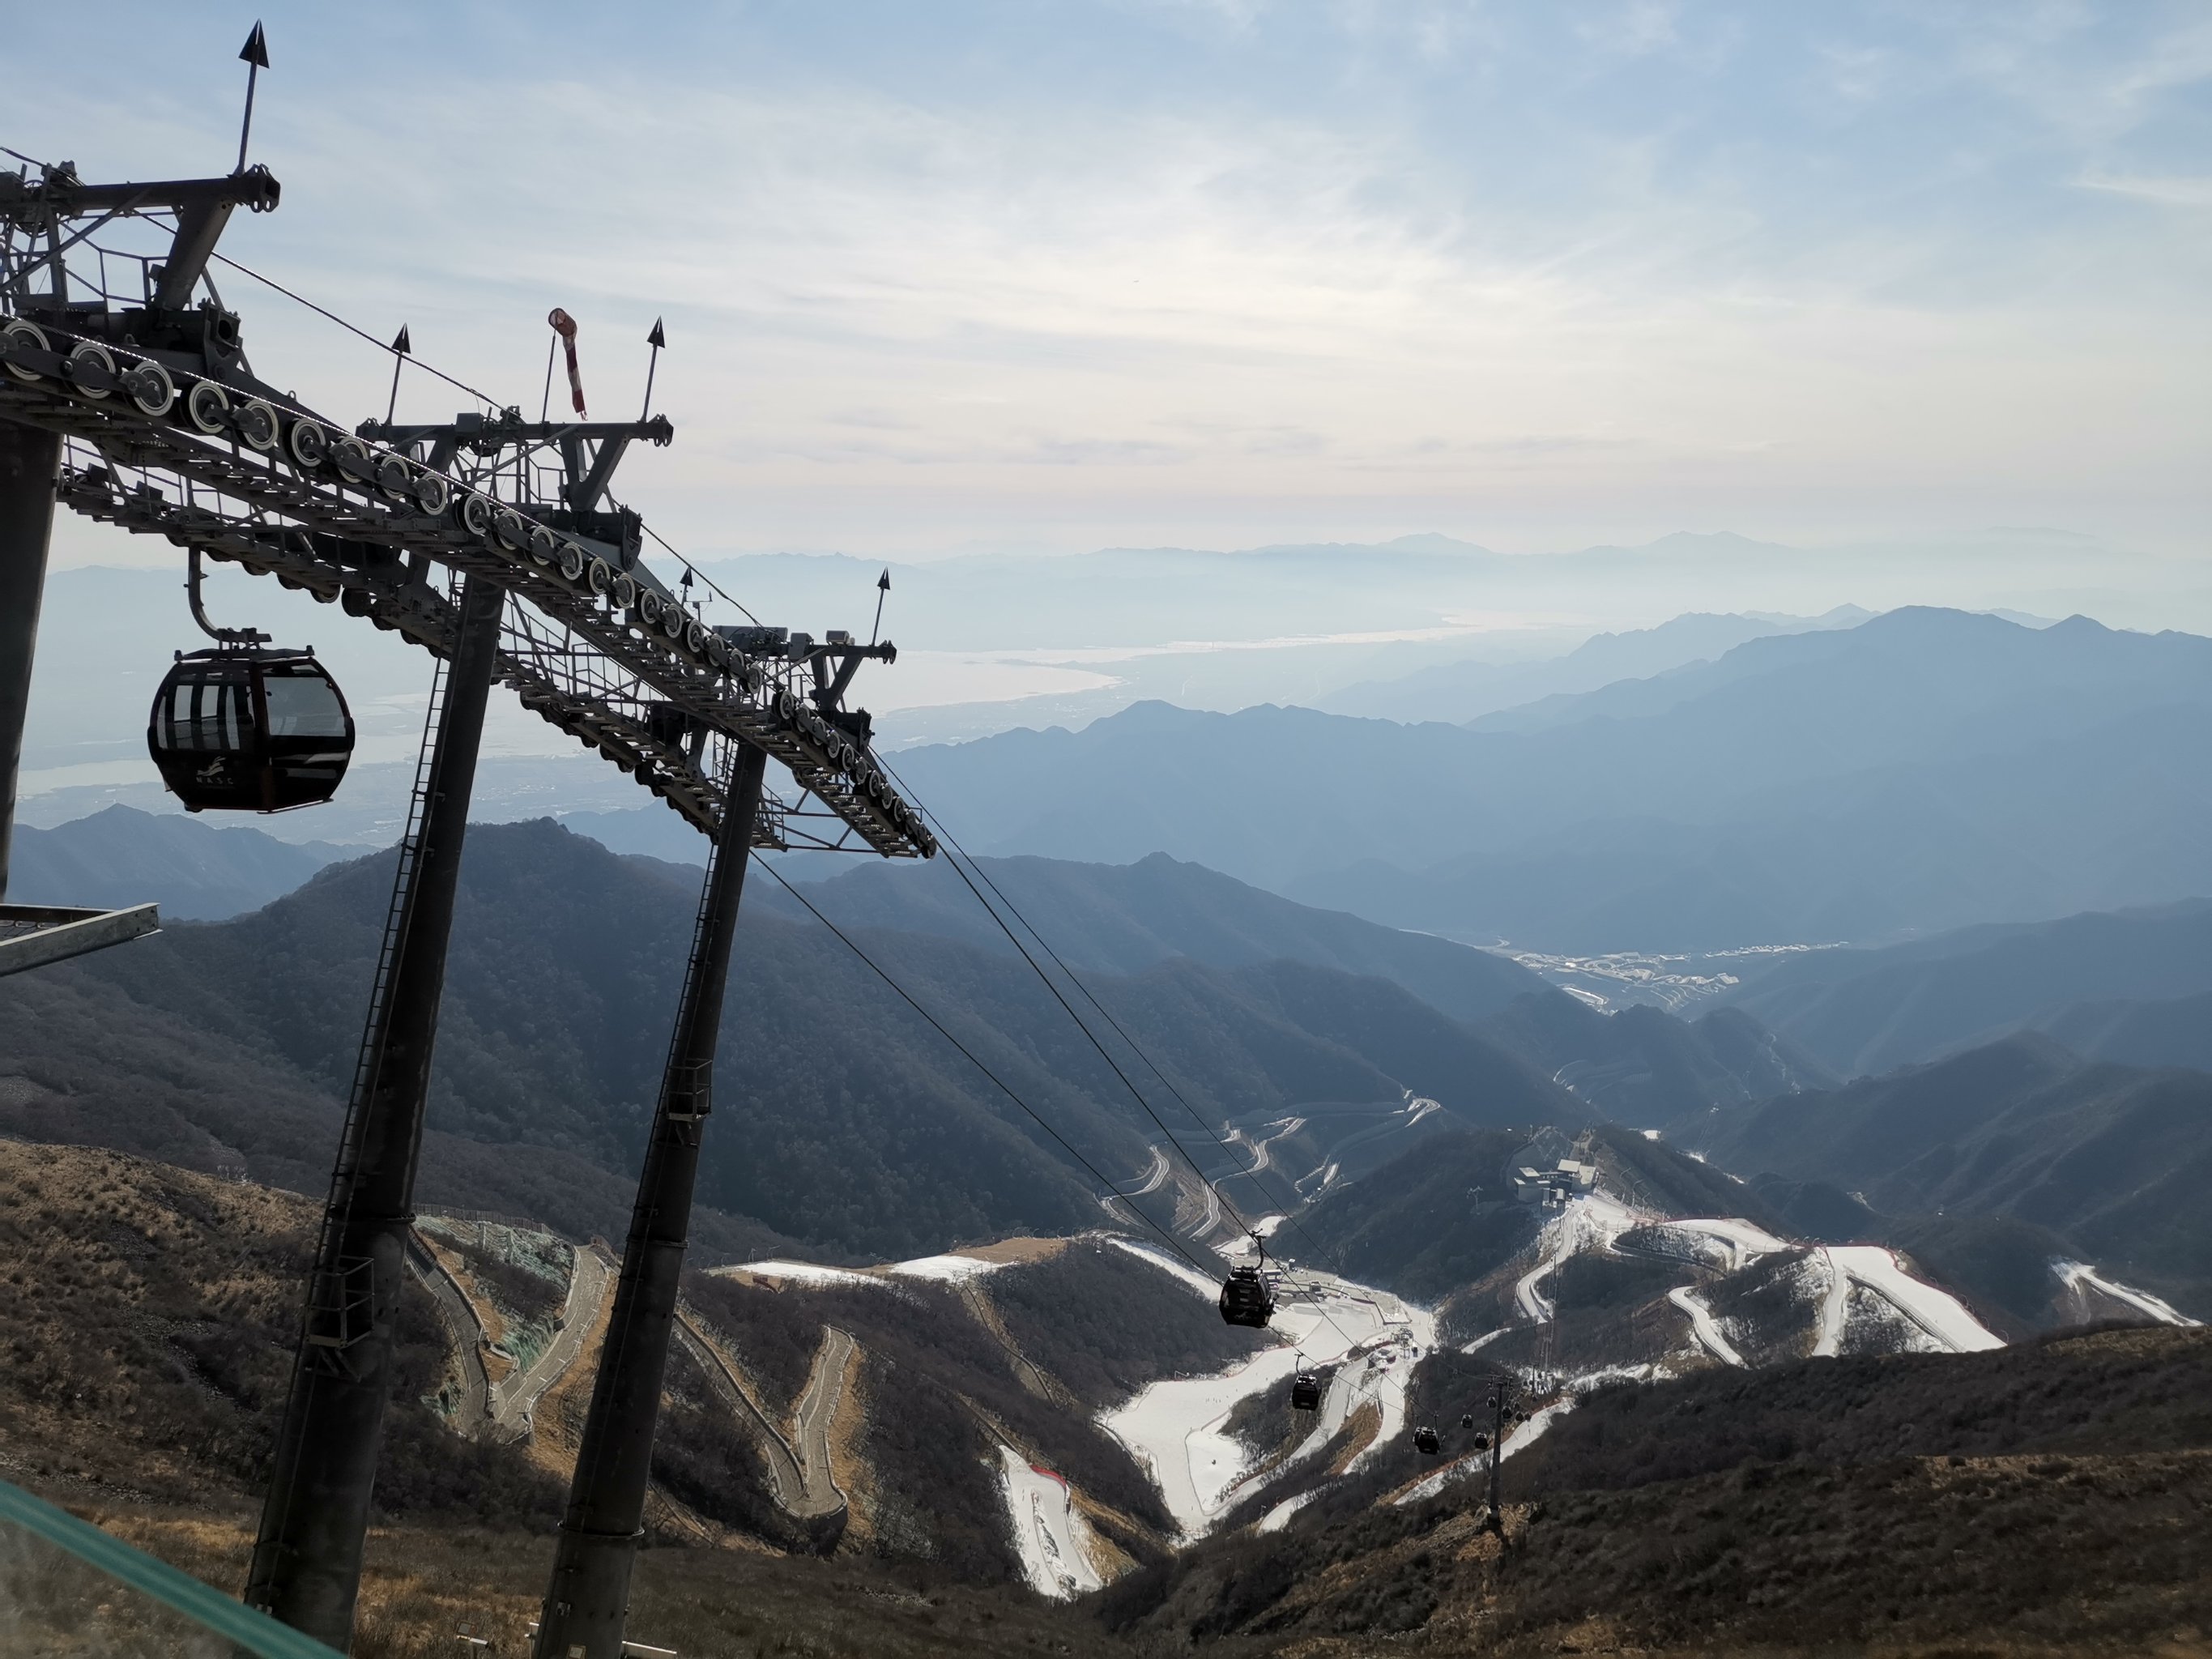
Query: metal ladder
{"points": [[340, 1290]]}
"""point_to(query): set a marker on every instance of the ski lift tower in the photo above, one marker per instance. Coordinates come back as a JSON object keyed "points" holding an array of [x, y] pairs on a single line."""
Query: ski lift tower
{"points": [[126, 396]]}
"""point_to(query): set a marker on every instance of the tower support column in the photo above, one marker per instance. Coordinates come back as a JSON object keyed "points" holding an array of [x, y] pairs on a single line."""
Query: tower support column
{"points": [[306, 1558], [588, 1599], [30, 460]]}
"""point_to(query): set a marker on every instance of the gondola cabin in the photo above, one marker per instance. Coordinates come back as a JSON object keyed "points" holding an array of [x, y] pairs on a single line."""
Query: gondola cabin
{"points": [[1426, 1441], [246, 729], [1246, 1299], [1305, 1392]]}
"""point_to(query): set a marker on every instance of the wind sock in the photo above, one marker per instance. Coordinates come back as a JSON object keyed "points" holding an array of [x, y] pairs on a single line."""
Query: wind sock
{"points": [[565, 326]]}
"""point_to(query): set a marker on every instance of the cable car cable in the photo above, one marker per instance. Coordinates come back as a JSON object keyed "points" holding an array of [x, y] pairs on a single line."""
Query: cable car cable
{"points": [[484, 397], [1320, 1306], [1138, 1048], [1005, 1088], [1136, 1094], [1046, 980], [952, 841]]}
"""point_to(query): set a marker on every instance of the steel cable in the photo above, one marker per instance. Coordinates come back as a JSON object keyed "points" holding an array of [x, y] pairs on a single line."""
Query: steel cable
{"points": [[1003, 1087]]}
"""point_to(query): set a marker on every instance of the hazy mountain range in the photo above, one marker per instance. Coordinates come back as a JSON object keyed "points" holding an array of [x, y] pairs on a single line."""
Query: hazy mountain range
{"points": [[1464, 691], [1926, 769], [196, 869], [2127, 986]]}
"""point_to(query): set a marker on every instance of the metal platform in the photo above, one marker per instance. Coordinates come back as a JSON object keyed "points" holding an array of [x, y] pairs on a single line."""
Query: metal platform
{"points": [[34, 935]]}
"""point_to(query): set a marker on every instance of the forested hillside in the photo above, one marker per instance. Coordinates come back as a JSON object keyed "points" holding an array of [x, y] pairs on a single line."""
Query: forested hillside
{"points": [[1868, 1011], [2106, 1161], [2041, 1498], [1125, 917], [844, 1121]]}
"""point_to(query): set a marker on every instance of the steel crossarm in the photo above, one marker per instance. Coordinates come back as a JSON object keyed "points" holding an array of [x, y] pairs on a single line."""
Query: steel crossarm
{"points": [[605, 657]]}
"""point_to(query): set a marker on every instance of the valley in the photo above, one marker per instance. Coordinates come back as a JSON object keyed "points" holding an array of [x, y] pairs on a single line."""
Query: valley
{"points": [[946, 1346]]}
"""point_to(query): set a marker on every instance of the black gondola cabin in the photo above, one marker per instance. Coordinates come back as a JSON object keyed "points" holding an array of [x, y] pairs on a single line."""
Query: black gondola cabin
{"points": [[1246, 1299], [1426, 1441], [1305, 1392], [243, 729]]}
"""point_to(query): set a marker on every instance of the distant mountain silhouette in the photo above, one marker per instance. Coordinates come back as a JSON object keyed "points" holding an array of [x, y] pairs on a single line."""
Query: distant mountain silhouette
{"points": [[1927, 770], [2105, 985], [1464, 691], [2170, 1032], [196, 869]]}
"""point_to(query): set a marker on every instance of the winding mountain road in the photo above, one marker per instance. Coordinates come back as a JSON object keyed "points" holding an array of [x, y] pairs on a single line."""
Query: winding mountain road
{"points": [[461, 1321], [787, 1485], [590, 1280], [817, 1408]]}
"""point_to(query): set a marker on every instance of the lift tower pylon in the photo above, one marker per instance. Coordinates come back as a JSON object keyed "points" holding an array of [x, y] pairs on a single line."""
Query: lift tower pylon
{"points": [[314, 1520], [29, 460], [588, 1599], [166, 431]]}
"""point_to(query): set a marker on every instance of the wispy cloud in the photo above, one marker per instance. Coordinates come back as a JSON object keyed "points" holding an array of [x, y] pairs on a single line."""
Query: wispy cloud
{"points": [[1407, 265]]}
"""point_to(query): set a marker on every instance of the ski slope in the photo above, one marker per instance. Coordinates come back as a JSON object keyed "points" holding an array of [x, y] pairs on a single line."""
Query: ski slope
{"points": [[797, 1272], [945, 1269], [1174, 1427], [1871, 1267], [2078, 1273], [1732, 1243], [1052, 1540], [1590, 1221], [1707, 1328]]}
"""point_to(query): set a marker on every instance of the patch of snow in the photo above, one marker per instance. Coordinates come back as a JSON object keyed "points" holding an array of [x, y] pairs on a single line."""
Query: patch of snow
{"points": [[945, 1269], [1210, 1289], [1707, 1328], [1835, 1306], [1650, 1134], [1052, 1540], [1528, 1434], [1458, 1469], [1938, 1313], [1173, 1427], [1590, 1221], [1279, 1517], [1737, 1244], [802, 1272], [2077, 1273]]}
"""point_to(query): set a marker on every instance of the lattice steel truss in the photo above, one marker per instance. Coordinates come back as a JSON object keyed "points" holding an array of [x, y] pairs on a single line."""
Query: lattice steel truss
{"points": [[172, 436]]}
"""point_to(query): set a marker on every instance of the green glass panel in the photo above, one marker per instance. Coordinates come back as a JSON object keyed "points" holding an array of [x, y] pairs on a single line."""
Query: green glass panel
{"points": [[71, 1591]]}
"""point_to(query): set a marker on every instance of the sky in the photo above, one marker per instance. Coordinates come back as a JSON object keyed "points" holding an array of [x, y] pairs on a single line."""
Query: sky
{"points": [[984, 275]]}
